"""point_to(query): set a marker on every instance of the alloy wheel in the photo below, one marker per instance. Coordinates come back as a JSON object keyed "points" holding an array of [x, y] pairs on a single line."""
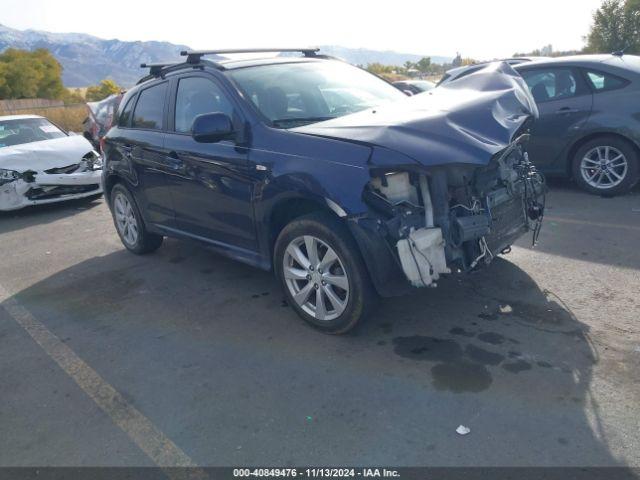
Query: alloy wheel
{"points": [[604, 167], [316, 278], [125, 219]]}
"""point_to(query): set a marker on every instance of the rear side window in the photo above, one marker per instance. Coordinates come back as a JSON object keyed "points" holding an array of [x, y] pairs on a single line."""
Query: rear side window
{"points": [[150, 108], [601, 81], [125, 116], [551, 84], [196, 96]]}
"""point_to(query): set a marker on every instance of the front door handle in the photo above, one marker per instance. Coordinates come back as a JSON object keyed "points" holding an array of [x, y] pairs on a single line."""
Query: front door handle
{"points": [[566, 111], [174, 161]]}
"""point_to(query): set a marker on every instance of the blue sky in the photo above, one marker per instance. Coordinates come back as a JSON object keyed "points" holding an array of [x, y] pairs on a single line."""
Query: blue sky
{"points": [[479, 29]]}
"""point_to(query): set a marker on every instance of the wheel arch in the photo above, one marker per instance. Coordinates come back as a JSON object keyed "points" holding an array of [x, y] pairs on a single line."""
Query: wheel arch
{"points": [[288, 209], [592, 136], [110, 181]]}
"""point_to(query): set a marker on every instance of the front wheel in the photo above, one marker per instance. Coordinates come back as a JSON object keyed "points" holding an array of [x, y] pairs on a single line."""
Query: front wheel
{"points": [[322, 273], [606, 166]]}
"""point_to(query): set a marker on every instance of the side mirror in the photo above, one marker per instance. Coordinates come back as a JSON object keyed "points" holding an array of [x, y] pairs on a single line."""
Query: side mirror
{"points": [[212, 127], [408, 93]]}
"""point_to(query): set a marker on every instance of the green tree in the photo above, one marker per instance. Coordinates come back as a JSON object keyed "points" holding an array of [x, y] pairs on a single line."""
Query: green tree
{"points": [[25, 74], [103, 90], [50, 85], [423, 65], [616, 26]]}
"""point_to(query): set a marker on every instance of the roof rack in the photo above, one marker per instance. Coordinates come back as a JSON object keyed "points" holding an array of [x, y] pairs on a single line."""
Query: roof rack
{"points": [[194, 56], [155, 68]]}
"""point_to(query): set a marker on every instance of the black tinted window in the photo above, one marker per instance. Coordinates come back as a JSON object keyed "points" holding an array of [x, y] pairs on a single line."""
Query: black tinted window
{"points": [[150, 107], [197, 95], [125, 116], [551, 84], [603, 81]]}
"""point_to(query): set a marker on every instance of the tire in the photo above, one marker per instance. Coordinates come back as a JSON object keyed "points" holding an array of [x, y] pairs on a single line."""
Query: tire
{"points": [[620, 162], [342, 307], [129, 225]]}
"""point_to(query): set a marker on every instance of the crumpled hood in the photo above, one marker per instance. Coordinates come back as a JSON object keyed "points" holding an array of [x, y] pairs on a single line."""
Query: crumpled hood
{"points": [[46, 154], [467, 121]]}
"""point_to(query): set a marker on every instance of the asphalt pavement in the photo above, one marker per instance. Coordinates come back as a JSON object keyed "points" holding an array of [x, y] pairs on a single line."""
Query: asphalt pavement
{"points": [[111, 359]]}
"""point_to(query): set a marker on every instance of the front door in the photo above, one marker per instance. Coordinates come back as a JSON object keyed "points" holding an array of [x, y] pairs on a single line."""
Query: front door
{"points": [[210, 185]]}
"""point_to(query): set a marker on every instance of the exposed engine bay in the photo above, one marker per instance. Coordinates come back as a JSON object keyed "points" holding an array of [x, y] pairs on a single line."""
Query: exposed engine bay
{"points": [[458, 217]]}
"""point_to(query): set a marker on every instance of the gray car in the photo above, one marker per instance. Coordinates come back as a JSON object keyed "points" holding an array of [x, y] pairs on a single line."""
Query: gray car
{"points": [[589, 125]]}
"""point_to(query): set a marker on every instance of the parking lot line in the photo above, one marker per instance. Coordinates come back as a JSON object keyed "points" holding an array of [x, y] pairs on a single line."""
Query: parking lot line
{"points": [[155, 444]]}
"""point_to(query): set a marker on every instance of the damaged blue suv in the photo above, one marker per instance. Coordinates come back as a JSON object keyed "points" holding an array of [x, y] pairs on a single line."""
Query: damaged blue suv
{"points": [[344, 186]]}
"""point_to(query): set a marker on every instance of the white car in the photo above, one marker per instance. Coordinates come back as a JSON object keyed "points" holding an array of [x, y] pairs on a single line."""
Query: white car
{"points": [[40, 163]]}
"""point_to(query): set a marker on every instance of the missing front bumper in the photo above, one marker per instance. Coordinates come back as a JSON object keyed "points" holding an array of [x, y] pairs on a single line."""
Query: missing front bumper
{"points": [[440, 221]]}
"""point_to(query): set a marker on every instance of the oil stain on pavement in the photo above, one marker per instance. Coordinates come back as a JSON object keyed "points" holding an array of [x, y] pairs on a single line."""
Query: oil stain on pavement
{"points": [[452, 371], [463, 368]]}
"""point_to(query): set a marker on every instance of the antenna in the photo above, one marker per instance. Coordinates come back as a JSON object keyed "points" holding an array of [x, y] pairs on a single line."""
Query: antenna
{"points": [[620, 53]]}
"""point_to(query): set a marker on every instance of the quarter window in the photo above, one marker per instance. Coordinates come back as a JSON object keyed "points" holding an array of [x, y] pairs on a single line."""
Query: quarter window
{"points": [[196, 96], [150, 108], [125, 116], [552, 84], [603, 81]]}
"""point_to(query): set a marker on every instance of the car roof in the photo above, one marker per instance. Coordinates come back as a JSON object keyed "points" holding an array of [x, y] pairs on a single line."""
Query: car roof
{"points": [[234, 63], [622, 61], [18, 117], [513, 61], [224, 64]]}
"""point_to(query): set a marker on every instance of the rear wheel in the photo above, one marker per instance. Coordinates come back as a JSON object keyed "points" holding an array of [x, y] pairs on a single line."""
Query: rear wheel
{"points": [[129, 224], [322, 273], [606, 166]]}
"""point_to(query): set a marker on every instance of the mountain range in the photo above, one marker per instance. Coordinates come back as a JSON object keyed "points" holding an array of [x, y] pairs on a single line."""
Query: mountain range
{"points": [[87, 59]]}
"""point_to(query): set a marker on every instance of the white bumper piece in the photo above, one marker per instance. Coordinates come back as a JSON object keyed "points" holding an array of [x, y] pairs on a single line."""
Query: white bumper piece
{"points": [[15, 195], [422, 256]]}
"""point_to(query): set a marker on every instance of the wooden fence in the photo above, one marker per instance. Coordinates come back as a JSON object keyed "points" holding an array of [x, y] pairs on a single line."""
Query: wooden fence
{"points": [[69, 117], [27, 104]]}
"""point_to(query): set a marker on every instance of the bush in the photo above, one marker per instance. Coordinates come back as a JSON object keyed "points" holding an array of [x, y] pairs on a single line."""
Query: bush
{"points": [[100, 92]]}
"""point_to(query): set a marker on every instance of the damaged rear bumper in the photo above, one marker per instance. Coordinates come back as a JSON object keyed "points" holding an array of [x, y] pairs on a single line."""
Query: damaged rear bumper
{"points": [[42, 188], [428, 222]]}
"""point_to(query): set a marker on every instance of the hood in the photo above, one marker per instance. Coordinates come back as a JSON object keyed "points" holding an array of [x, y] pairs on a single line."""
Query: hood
{"points": [[46, 154], [467, 121]]}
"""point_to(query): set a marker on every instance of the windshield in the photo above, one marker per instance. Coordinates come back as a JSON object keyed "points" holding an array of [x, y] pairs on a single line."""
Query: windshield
{"points": [[294, 94], [423, 85], [27, 130]]}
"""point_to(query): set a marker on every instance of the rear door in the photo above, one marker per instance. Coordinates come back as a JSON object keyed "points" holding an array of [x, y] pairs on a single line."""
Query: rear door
{"points": [[140, 145], [211, 188], [565, 102]]}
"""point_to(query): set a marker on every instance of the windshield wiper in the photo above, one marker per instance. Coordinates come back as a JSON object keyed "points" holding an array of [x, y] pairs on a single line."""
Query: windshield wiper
{"points": [[297, 122]]}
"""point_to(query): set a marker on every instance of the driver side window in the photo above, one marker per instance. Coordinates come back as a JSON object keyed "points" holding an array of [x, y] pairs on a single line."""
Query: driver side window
{"points": [[551, 84], [195, 96]]}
